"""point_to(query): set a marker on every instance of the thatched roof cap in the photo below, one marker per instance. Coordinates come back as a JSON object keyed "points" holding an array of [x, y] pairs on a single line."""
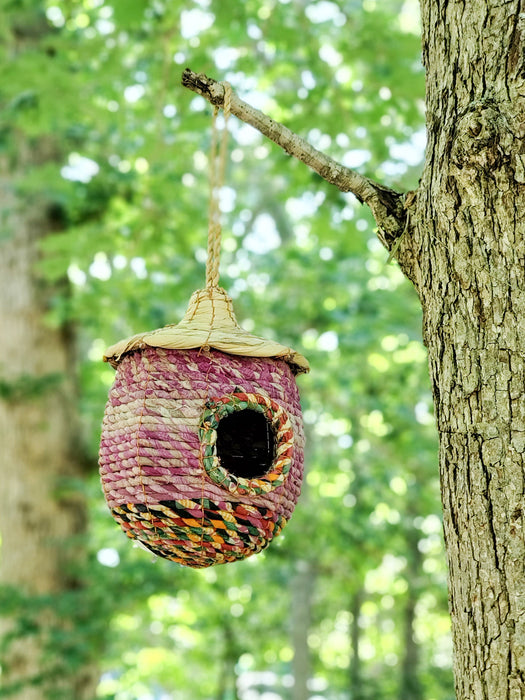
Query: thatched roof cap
{"points": [[209, 322]]}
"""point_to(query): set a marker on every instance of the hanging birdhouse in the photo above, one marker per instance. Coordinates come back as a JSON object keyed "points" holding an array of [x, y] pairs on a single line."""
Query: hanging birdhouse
{"points": [[201, 456]]}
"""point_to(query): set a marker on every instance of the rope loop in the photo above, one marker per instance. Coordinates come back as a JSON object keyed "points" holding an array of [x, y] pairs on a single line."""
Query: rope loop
{"points": [[217, 175]]}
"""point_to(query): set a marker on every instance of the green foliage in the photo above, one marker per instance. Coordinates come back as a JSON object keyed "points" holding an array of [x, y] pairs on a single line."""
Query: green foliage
{"points": [[69, 635], [29, 386], [129, 181]]}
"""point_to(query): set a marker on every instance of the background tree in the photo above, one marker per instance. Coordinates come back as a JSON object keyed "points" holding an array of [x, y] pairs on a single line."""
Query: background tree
{"points": [[43, 514], [128, 191]]}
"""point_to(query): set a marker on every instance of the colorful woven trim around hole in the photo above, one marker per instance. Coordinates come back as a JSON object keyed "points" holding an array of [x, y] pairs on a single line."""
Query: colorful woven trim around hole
{"points": [[216, 409]]}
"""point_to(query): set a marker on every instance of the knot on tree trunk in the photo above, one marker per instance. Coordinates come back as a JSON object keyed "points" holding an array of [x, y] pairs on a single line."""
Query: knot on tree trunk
{"points": [[483, 139]]}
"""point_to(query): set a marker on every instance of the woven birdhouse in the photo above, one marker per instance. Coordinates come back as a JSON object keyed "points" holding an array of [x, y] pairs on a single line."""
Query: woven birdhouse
{"points": [[201, 456]]}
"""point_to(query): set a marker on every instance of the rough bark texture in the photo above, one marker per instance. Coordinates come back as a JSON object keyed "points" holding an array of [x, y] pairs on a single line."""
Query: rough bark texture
{"points": [[469, 244]]}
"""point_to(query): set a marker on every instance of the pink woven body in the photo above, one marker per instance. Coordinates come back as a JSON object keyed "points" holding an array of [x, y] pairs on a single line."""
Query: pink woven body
{"points": [[151, 454]]}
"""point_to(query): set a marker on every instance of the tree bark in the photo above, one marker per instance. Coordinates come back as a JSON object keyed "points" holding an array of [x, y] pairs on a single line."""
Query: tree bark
{"points": [[41, 514], [469, 244]]}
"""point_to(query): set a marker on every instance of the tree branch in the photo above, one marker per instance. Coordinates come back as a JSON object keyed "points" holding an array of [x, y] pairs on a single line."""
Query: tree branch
{"points": [[386, 204]]}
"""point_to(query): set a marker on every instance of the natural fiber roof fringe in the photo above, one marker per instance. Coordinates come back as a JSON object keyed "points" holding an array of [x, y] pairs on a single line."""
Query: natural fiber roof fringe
{"points": [[209, 322]]}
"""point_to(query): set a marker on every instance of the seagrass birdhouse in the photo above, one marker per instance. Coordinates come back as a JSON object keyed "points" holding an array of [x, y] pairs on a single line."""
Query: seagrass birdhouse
{"points": [[201, 455]]}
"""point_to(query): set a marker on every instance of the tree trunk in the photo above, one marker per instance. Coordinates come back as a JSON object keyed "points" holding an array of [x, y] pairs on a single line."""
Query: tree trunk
{"points": [[410, 686], [227, 683], [469, 246], [302, 593], [41, 515], [356, 684]]}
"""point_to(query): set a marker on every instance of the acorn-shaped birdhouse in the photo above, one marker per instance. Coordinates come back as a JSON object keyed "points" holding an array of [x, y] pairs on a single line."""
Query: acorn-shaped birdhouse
{"points": [[201, 456]]}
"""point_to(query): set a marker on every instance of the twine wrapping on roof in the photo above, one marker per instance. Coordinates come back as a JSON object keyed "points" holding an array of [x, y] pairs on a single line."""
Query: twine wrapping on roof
{"points": [[209, 322]]}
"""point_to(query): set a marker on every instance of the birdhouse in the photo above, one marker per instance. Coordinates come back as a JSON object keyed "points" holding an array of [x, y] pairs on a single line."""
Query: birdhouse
{"points": [[201, 455]]}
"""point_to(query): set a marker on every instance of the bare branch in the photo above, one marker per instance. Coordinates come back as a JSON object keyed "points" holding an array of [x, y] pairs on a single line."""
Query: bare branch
{"points": [[386, 204]]}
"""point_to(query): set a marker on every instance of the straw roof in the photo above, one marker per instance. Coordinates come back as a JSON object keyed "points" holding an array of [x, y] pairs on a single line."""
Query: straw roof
{"points": [[209, 322]]}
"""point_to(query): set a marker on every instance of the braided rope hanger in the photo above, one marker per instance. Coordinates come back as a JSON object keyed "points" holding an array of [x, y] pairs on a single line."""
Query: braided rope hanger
{"points": [[217, 173], [210, 319]]}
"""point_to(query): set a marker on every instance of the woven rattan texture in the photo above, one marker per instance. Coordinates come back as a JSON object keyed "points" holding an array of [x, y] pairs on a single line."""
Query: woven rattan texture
{"points": [[151, 463]]}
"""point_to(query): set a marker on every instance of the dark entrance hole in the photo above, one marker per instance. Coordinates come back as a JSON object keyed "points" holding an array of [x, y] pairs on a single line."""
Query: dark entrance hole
{"points": [[245, 443]]}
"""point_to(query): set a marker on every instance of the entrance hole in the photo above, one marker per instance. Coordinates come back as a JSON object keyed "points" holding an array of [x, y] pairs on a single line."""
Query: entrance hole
{"points": [[245, 444]]}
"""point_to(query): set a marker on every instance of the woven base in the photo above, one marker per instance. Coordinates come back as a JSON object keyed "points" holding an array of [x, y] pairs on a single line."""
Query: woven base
{"points": [[160, 472], [200, 534]]}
